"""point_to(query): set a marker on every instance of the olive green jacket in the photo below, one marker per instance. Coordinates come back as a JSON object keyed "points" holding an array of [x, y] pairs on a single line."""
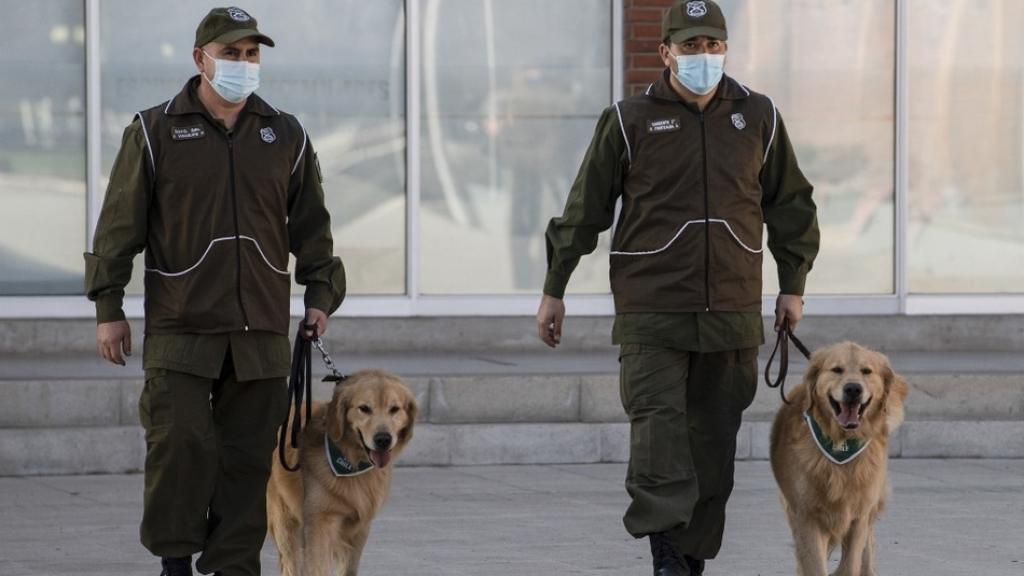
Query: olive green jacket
{"points": [[696, 189], [217, 212]]}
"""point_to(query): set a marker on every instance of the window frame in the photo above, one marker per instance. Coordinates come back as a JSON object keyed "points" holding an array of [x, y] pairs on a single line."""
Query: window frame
{"points": [[412, 303]]}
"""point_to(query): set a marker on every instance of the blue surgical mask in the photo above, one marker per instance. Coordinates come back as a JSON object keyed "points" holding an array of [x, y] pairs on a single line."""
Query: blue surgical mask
{"points": [[700, 73], [234, 80]]}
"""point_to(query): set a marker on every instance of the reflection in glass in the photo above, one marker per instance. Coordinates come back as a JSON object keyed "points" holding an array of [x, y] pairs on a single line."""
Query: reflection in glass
{"points": [[511, 94], [829, 66], [42, 148], [966, 146], [339, 66]]}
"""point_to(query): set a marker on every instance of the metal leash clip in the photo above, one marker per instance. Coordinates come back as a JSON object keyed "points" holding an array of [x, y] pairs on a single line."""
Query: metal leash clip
{"points": [[335, 375]]}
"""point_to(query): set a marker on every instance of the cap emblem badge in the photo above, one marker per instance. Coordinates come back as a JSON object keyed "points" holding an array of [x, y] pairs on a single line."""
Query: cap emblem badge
{"points": [[698, 9], [239, 15]]}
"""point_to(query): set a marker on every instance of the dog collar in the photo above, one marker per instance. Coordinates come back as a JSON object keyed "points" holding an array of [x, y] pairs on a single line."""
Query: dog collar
{"points": [[339, 463], [841, 453]]}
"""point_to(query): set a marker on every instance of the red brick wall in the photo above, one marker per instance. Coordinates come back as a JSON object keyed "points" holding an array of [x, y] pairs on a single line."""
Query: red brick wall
{"points": [[642, 31]]}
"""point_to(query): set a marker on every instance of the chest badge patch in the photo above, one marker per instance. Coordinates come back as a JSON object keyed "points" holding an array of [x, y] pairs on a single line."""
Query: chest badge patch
{"points": [[187, 132], [664, 125], [697, 9], [739, 121], [267, 135]]}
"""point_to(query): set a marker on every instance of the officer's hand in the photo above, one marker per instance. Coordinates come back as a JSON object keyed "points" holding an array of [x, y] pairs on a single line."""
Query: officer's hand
{"points": [[549, 320], [112, 338], [788, 307], [318, 317]]}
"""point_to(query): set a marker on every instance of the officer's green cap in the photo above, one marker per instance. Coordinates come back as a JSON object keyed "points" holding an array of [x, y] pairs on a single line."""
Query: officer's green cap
{"points": [[227, 26], [691, 18]]}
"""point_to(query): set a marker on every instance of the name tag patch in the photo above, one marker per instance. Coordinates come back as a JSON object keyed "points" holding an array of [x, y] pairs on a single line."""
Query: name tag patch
{"points": [[659, 126], [187, 132]]}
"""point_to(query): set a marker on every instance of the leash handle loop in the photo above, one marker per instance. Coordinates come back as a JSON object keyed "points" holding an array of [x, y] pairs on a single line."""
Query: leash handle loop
{"points": [[785, 334], [300, 387]]}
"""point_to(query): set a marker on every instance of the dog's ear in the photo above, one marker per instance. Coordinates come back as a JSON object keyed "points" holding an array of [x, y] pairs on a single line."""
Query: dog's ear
{"points": [[336, 412], [896, 391], [811, 380], [412, 412]]}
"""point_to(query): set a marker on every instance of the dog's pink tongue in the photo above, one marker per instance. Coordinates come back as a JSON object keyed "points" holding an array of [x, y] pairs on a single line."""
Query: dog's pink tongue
{"points": [[380, 459], [849, 414]]}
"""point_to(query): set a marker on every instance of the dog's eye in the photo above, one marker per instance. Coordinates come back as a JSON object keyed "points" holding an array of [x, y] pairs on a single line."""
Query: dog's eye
{"points": [[865, 371], [394, 410], [365, 409], [838, 369]]}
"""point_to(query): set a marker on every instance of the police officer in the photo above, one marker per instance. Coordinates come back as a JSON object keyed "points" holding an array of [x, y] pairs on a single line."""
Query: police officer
{"points": [[218, 187], [700, 163]]}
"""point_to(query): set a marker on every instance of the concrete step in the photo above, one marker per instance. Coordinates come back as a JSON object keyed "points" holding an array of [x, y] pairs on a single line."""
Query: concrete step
{"points": [[498, 388], [1003, 333], [121, 449], [74, 414]]}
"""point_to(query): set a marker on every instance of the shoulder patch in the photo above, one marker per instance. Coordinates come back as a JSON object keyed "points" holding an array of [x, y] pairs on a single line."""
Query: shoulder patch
{"points": [[662, 125], [187, 132]]}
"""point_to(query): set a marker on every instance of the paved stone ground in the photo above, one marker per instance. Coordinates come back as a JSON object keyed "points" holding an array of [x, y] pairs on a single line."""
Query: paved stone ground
{"points": [[946, 518]]}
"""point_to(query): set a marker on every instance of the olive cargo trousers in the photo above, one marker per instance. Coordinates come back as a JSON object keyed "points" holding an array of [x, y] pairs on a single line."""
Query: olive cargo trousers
{"points": [[209, 444], [685, 410]]}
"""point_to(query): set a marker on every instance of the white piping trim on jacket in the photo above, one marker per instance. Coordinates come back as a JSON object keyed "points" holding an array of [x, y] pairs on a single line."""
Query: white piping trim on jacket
{"points": [[680, 233], [149, 147], [744, 89], [629, 151], [648, 91], [210, 246], [168, 107], [775, 125], [272, 107], [303, 149]]}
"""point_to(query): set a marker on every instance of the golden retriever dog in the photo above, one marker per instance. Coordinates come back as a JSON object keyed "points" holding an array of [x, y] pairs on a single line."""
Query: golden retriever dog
{"points": [[829, 454], [320, 515]]}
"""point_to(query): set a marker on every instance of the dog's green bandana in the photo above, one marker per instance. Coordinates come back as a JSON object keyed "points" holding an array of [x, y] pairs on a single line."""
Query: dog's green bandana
{"points": [[841, 453], [339, 464]]}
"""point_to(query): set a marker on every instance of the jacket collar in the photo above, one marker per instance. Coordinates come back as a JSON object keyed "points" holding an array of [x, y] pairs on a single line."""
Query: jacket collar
{"points": [[187, 102], [728, 89]]}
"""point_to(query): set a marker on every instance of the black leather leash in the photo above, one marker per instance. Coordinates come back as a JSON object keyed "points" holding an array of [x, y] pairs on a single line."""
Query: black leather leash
{"points": [[300, 384], [782, 343], [300, 387]]}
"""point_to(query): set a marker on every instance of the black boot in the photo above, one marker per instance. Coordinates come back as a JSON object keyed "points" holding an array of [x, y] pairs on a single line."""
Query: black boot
{"points": [[176, 566], [696, 566], [666, 560]]}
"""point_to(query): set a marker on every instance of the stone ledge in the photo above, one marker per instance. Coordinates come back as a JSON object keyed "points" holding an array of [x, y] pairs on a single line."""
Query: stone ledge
{"points": [[41, 451], [503, 399]]}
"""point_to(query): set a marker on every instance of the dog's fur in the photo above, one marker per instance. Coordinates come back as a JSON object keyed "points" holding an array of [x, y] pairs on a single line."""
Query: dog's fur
{"points": [[828, 504], [320, 522]]}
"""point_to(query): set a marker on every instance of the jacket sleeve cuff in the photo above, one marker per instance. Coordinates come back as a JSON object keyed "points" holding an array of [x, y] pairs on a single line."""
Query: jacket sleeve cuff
{"points": [[554, 285], [109, 309], [792, 282], [318, 295]]}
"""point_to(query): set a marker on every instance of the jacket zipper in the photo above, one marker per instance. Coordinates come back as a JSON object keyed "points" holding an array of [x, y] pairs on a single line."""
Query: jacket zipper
{"points": [[707, 215], [238, 239]]}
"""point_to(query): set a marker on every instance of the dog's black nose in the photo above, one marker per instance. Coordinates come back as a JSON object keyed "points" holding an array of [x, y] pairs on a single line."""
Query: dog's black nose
{"points": [[382, 441], [852, 391]]}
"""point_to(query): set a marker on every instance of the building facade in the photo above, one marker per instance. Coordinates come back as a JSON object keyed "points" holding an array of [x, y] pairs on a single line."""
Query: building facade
{"points": [[449, 132]]}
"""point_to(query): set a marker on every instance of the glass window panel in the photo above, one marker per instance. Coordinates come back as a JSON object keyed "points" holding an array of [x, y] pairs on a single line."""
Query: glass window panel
{"points": [[339, 66], [966, 146], [829, 65], [42, 148], [511, 93]]}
